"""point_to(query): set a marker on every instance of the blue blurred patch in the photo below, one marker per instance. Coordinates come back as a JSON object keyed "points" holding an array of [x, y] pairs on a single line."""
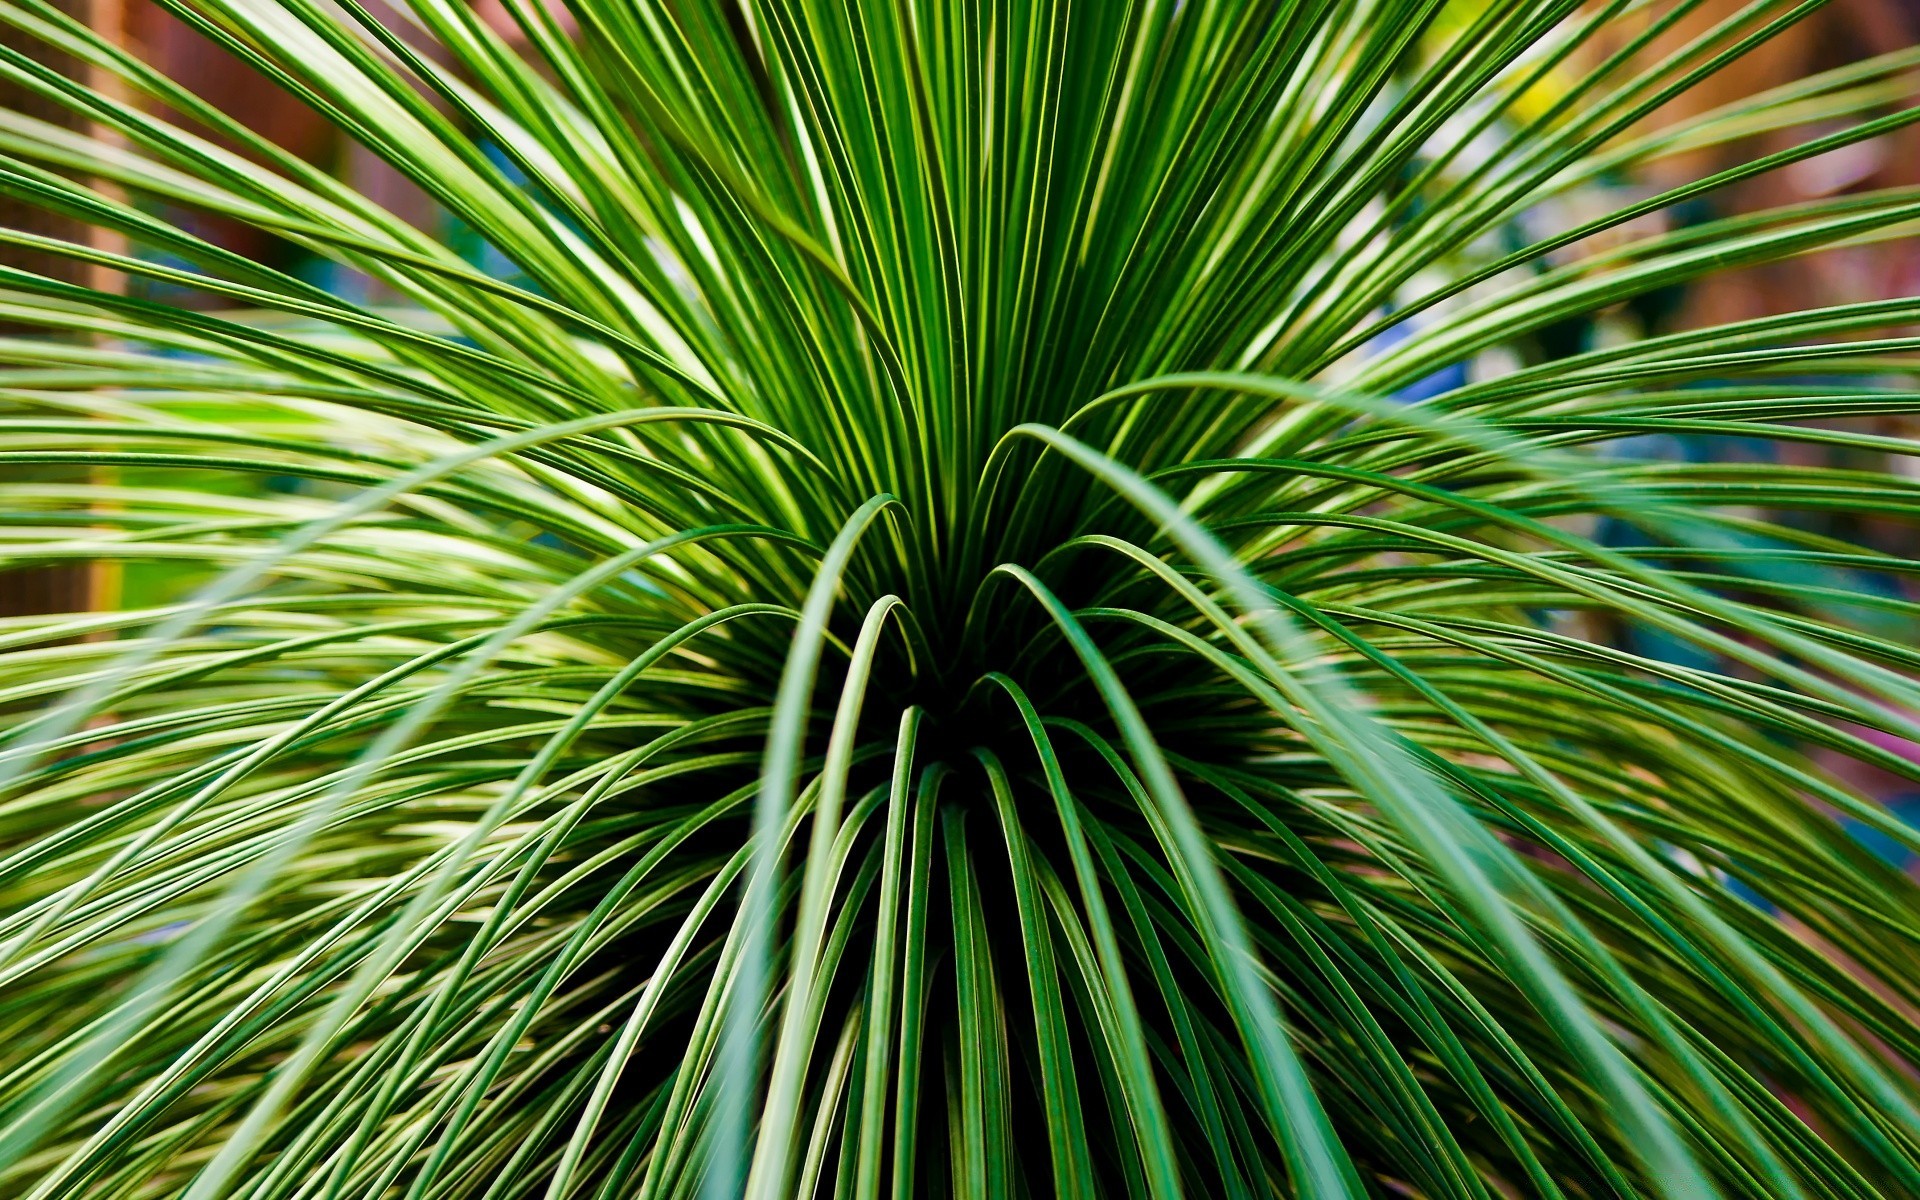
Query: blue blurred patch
{"points": [[1444, 380], [1904, 808]]}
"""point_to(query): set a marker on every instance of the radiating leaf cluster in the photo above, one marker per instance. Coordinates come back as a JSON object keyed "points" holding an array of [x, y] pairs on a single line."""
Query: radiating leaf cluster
{"points": [[914, 645]]}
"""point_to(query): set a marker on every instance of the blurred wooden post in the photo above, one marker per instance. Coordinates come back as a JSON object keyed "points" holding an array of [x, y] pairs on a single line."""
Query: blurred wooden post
{"points": [[64, 588]]}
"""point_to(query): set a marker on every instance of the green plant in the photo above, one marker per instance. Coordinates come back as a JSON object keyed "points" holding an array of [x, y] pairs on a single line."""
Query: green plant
{"points": [[949, 447]]}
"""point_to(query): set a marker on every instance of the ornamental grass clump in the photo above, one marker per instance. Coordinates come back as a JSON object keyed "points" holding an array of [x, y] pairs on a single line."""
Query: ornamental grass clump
{"points": [[981, 600]]}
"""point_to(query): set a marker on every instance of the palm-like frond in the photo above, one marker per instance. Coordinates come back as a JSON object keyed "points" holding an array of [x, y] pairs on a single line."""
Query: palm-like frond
{"points": [[909, 647]]}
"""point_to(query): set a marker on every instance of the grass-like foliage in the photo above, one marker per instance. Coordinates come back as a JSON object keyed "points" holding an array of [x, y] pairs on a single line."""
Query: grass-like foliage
{"points": [[913, 644]]}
